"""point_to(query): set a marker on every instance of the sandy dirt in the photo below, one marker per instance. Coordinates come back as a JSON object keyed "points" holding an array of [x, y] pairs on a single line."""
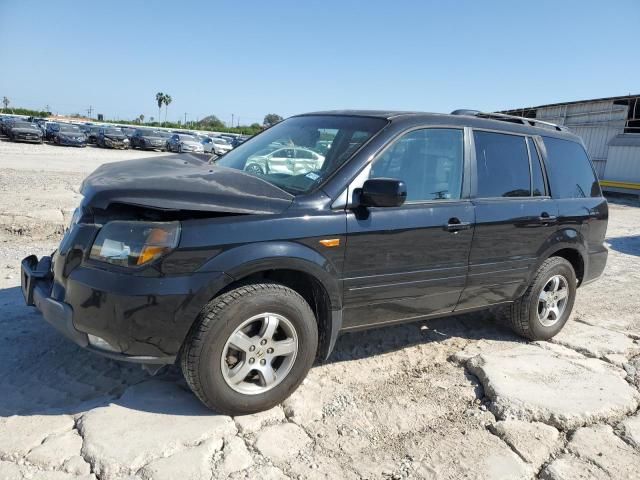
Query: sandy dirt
{"points": [[450, 398]]}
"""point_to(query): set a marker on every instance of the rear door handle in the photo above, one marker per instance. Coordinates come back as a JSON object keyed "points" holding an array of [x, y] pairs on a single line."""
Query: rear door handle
{"points": [[455, 225]]}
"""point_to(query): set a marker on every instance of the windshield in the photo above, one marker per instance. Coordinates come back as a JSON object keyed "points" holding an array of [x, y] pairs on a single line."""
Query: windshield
{"points": [[112, 131], [291, 156], [187, 138], [69, 128], [220, 141], [158, 133], [24, 125]]}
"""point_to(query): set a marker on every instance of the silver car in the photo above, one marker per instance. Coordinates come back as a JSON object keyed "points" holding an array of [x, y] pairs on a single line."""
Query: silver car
{"points": [[289, 160], [216, 145], [181, 142]]}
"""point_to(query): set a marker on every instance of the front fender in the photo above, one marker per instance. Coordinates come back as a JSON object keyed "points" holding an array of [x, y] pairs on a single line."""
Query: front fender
{"points": [[244, 260]]}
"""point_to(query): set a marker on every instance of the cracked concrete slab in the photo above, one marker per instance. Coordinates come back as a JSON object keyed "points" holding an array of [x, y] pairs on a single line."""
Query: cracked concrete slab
{"points": [[568, 467], [20, 434], [151, 420], [475, 454], [534, 442], [252, 423], [533, 384], [597, 452], [236, 457], [598, 342], [12, 471], [281, 442], [629, 430], [55, 450], [190, 464]]}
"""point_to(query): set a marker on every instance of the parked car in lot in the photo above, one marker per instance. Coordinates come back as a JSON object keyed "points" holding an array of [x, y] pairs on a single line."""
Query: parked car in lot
{"points": [[181, 142], [68, 134], [216, 145], [112, 137], [147, 139], [246, 279], [50, 128], [92, 133], [288, 160], [21, 131]]}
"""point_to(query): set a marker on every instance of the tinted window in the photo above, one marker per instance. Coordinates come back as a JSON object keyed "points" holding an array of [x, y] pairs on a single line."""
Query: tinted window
{"points": [[429, 161], [570, 172], [537, 177], [503, 165]]}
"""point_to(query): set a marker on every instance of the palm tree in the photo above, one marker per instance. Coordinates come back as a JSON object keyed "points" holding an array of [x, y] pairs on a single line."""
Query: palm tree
{"points": [[141, 118], [167, 101], [159, 100], [5, 102]]}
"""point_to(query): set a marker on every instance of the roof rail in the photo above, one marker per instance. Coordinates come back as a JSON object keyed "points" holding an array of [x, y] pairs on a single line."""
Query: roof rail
{"points": [[507, 118]]}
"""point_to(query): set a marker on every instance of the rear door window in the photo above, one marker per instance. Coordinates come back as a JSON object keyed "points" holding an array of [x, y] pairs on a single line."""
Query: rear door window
{"points": [[569, 169], [503, 165]]}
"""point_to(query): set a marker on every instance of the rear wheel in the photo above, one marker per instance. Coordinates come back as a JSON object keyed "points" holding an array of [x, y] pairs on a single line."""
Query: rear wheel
{"points": [[250, 348], [547, 303]]}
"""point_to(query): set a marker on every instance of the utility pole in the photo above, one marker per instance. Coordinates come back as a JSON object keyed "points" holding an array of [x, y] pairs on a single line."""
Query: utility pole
{"points": [[232, 120], [90, 110]]}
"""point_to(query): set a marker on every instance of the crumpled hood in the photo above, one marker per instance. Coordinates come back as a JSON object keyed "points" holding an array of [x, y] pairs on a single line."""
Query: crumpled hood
{"points": [[115, 136], [173, 183]]}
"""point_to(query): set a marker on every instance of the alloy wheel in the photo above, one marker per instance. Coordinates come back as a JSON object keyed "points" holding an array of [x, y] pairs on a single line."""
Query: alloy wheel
{"points": [[259, 354], [552, 300]]}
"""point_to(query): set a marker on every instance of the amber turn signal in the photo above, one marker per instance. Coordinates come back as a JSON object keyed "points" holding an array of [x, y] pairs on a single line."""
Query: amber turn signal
{"points": [[330, 242]]}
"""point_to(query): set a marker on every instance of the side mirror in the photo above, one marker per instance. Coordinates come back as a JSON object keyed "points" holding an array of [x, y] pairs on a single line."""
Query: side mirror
{"points": [[383, 192]]}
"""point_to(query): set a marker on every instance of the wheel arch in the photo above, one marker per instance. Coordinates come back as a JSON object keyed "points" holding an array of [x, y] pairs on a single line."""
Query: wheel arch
{"points": [[568, 243], [296, 266]]}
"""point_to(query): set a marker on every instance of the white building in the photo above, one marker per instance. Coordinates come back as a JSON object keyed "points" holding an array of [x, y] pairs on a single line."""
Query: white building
{"points": [[610, 128]]}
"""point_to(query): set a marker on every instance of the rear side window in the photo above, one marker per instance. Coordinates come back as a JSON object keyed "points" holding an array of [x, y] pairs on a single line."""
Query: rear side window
{"points": [[570, 172], [537, 178], [503, 165]]}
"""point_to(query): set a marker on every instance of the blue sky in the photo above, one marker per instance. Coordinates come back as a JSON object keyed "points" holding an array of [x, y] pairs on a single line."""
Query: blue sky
{"points": [[254, 57]]}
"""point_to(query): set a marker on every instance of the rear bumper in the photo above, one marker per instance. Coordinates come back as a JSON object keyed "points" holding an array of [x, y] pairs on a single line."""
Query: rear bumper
{"points": [[597, 261], [140, 319]]}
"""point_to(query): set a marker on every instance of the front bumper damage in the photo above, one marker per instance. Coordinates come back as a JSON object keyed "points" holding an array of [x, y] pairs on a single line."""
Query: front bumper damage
{"points": [[122, 316]]}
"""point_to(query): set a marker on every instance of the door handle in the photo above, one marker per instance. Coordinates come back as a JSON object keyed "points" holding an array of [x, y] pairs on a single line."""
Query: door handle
{"points": [[546, 218], [455, 225]]}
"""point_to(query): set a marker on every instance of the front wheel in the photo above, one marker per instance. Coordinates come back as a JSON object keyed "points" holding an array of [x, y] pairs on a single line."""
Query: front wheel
{"points": [[250, 348], [547, 303]]}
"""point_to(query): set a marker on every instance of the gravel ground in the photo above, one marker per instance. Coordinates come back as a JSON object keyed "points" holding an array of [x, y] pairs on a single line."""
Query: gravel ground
{"points": [[452, 398]]}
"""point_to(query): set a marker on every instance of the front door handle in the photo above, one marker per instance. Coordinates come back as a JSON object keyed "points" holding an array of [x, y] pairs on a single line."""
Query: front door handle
{"points": [[546, 218], [455, 225]]}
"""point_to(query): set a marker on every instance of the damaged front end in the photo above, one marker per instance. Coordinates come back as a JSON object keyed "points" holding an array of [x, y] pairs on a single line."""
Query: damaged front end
{"points": [[120, 283]]}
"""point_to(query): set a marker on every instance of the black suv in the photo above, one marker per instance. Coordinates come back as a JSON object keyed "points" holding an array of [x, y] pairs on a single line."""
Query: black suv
{"points": [[247, 278]]}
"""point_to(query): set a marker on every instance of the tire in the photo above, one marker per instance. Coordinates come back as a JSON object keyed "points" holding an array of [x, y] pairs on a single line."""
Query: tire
{"points": [[524, 316], [209, 340], [254, 168]]}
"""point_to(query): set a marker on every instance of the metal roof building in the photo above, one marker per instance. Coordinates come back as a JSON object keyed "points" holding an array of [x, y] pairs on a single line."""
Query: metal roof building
{"points": [[610, 128]]}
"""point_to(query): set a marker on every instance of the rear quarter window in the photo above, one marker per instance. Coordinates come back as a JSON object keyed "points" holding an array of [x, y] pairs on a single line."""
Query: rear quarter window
{"points": [[569, 170]]}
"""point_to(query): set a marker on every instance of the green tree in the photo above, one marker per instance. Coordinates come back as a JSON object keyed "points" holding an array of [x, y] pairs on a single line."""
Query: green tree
{"points": [[270, 119], [5, 102], [211, 122], [159, 101], [167, 101], [141, 117]]}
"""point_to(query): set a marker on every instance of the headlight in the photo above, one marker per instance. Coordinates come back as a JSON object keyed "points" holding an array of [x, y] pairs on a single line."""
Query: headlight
{"points": [[126, 140], [131, 244]]}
